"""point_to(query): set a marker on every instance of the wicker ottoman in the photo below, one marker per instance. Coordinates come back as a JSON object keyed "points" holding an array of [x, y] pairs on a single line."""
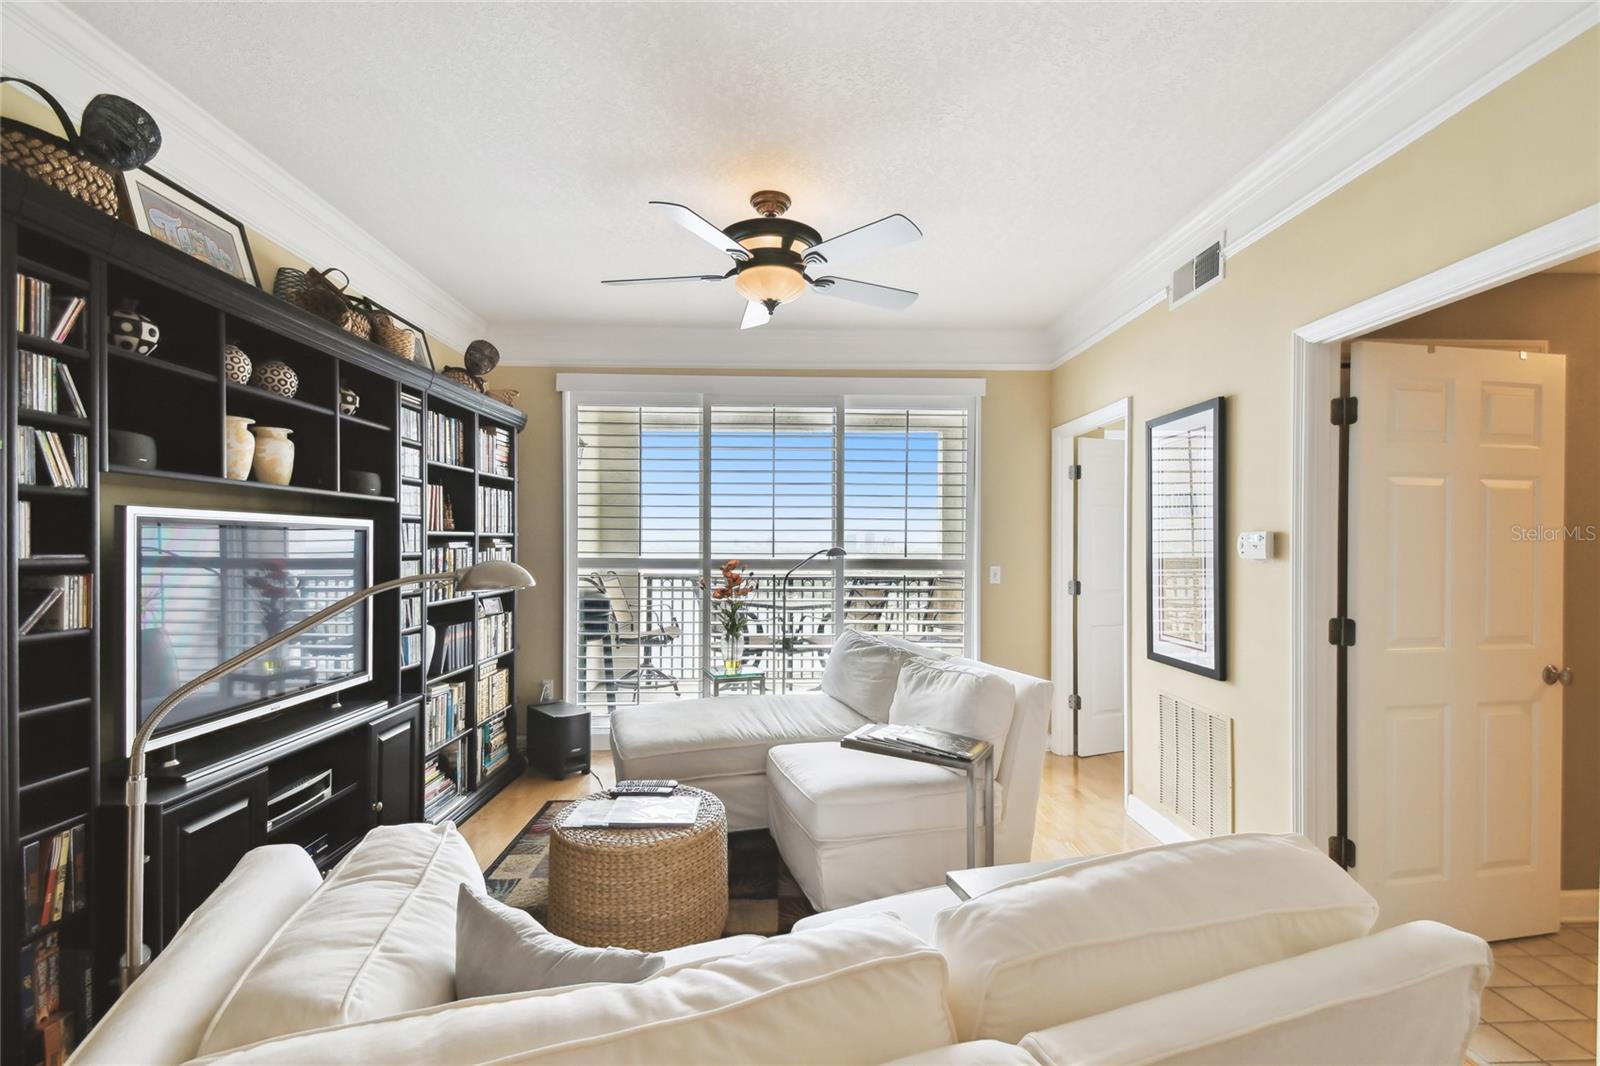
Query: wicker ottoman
{"points": [[648, 889]]}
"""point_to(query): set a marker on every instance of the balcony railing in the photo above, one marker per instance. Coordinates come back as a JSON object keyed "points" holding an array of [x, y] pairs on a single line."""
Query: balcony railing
{"points": [[642, 635]]}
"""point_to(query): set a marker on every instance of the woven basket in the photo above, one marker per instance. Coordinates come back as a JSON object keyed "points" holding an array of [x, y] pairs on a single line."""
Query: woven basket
{"points": [[646, 889], [56, 161], [460, 376], [393, 336], [315, 291]]}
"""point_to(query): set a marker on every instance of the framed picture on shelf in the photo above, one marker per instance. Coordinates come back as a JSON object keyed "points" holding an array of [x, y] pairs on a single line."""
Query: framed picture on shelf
{"points": [[1185, 623], [176, 217]]}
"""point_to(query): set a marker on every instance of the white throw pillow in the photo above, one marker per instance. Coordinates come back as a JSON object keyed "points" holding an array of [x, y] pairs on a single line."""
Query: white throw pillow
{"points": [[955, 698], [861, 673], [502, 949], [1100, 934], [378, 938]]}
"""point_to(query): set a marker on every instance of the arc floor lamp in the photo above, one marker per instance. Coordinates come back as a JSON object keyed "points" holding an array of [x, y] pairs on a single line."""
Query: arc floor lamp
{"points": [[492, 575]]}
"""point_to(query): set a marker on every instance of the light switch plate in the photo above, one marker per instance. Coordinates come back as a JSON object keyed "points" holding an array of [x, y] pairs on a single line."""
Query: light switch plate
{"points": [[1256, 545], [994, 575]]}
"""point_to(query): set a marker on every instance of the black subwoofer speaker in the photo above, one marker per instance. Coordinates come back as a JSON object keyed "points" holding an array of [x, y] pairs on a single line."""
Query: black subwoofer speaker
{"points": [[558, 739]]}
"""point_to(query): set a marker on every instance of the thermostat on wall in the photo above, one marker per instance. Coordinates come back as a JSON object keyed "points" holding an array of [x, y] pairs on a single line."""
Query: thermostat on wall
{"points": [[1256, 544]]}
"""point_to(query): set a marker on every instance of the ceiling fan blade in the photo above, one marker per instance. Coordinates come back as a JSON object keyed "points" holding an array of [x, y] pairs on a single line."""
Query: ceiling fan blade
{"points": [[703, 229], [755, 314], [651, 281], [864, 292], [874, 237]]}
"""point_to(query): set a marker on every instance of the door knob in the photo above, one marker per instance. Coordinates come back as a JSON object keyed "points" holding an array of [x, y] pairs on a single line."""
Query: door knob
{"points": [[377, 808], [1556, 675]]}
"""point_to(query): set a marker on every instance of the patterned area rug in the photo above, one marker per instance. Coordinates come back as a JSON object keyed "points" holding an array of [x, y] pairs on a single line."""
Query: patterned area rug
{"points": [[762, 896]]}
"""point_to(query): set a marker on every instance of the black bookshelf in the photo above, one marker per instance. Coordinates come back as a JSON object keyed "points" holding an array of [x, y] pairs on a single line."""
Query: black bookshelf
{"points": [[60, 689]]}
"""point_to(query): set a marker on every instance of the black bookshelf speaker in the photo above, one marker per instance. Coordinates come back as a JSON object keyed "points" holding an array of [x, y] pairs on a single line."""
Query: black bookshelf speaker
{"points": [[132, 449], [558, 739]]}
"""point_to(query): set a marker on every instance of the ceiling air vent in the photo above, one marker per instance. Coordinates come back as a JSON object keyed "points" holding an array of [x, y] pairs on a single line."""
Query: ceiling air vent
{"points": [[1196, 274]]}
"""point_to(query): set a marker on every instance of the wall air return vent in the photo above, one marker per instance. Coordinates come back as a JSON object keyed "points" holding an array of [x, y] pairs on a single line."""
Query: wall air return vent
{"points": [[1196, 275], [1196, 754]]}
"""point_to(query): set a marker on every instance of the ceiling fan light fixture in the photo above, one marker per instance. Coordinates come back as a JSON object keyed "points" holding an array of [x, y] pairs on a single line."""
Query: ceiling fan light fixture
{"points": [[760, 282]]}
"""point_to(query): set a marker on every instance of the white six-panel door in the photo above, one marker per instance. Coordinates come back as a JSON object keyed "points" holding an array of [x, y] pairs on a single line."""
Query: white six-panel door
{"points": [[1101, 643], [1456, 491]]}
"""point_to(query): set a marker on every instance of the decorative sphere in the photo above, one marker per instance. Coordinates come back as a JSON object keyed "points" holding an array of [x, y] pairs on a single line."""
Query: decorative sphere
{"points": [[119, 133], [276, 376], [481, 357]]}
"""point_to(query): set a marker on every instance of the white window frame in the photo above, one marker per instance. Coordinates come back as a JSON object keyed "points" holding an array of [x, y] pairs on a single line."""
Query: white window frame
{"points": [[705, 391]]}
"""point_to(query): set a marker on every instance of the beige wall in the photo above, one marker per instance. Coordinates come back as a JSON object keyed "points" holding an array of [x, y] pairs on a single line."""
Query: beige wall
{"points": [[1014, 448], [1522, 156], [1563, 309]]}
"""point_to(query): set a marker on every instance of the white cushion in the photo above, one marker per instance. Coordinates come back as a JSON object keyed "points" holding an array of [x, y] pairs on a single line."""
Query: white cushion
{"points": [[694, 739], [377, 938], [956, 698], [165, 1012], [501, 949], [837, 793], [909, 646], [1406, 995], [970, 1053], [861, 673], [918, 909], [1096, 935], [857, 992]]}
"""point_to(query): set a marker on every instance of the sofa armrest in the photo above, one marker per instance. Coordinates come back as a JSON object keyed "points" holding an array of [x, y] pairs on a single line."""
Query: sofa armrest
{"points": [[162, 1016], [1406, 995]]}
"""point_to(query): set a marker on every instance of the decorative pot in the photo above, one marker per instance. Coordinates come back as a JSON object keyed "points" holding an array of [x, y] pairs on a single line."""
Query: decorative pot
{"points": [[119, 133], [732, 652], [276, 376], [349, 402], [236, 365], [480, 358], [274, 459], [241, 447], [132, 332]]}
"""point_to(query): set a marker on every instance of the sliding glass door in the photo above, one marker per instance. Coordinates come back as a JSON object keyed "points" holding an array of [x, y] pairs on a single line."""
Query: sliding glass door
{"points": [[662, 493]]}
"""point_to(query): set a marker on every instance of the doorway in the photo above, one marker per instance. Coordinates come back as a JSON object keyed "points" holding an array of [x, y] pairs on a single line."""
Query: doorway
{"points": [[1090, 464], [1419, 751]]}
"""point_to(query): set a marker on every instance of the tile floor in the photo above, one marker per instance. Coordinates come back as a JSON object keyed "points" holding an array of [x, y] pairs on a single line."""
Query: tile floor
{"points": [[1540, 1005]]}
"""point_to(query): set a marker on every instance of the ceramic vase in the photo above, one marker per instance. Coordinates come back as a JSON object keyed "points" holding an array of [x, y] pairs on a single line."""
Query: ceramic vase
{"points": [[236, 364], [274, 460], [241, 447], [276, 376], [732, 652], [349, 400], [132, 332]]}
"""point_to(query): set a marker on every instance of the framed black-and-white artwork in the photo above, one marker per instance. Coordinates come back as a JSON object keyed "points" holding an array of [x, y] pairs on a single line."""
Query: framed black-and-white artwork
{"points": [[177, 217], [1184, 587]]}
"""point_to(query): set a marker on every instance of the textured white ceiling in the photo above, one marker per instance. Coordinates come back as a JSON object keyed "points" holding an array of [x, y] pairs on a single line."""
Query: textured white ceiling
{"points": [[508, 150]]}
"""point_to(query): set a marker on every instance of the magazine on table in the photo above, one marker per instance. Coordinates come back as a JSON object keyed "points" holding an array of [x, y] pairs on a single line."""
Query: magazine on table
{"points": [[634, 812], [921, 739]]}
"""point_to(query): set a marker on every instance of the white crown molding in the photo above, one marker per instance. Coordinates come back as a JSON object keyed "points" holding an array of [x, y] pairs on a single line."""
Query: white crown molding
{"points": [[49, 44], [1458, 57], [774, 346]]}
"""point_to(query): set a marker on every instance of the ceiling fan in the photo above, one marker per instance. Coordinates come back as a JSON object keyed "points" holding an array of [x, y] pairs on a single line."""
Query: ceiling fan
{"points": [[774, 258]]}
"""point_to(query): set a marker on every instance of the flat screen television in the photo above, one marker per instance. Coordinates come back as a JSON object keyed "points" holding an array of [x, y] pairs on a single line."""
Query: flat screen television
{"points": [[202, 586]]}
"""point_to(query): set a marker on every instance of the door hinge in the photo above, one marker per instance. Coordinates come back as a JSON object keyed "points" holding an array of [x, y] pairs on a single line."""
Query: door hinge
{"points": [[1342, 632], [1074, 587], [1075, 472], [1344, 411], [1074, 702], [1342, 850]]}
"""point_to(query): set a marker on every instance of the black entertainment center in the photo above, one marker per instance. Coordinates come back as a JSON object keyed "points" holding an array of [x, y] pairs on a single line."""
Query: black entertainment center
{"points": [[409, 736]]}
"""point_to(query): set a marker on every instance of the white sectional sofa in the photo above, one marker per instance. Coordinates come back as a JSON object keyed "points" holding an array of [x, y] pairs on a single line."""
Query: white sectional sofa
{"points": [[851, 825], [1247, 949]]}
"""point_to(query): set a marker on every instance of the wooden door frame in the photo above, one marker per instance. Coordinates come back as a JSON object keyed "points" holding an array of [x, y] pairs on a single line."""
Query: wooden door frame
{"points": [[1316, 356], [1063, 545]]}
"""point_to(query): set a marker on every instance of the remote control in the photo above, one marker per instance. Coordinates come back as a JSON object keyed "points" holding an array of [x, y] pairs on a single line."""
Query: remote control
{"points": [[644, 788]]}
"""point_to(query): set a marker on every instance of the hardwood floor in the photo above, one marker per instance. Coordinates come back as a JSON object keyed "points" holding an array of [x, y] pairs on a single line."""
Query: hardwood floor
{"points": [[1080, 808]]}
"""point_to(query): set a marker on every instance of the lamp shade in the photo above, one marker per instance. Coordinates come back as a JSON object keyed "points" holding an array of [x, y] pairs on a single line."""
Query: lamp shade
{"points": [[770, 281], [493, 574]]}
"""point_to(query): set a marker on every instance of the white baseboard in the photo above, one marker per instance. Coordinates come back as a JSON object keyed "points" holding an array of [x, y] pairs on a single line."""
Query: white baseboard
{"points": [[1155, 822], [1580, 904]]}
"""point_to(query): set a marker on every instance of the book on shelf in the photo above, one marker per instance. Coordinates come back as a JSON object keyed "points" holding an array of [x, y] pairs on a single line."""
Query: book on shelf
{"points": [[24, 529], [497, 512], [56, 602], [44, 382], [494, 746], [494, 450], [57, 989], [454, 650], [410, 612], [440, 781], [54, 878], [494, 691], [410, 567], [40, 313], [411, 501], [63, 459], [441, 510], [447, 441], [410, 461], [496, 628], [410, 417], [411, 536], [446, 712], [495, 549], [410, 649]]}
